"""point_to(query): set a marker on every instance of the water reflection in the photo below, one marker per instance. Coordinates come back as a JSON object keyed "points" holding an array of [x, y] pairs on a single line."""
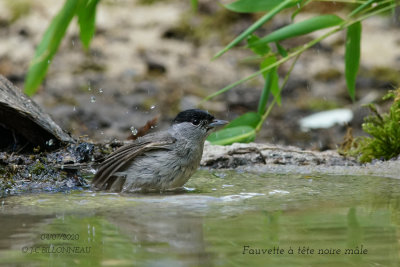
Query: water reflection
{"points": [[319, 219]]}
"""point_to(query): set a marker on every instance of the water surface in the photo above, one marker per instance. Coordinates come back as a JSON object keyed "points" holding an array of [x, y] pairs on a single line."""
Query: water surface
{"points": [[225, 219]]}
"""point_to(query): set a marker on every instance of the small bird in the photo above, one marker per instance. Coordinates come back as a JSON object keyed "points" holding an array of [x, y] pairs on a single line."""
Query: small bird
{"points": [[159, 161]]}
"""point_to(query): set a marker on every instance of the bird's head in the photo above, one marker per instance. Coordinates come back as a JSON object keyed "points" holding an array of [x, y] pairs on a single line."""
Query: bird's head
{"points": [[197, 122]]}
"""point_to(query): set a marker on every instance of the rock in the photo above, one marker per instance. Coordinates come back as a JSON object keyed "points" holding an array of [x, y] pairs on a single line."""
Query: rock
{"points": [[237, 155], [23, 122]]}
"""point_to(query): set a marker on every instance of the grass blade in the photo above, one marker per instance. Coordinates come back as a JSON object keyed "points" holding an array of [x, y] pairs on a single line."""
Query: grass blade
{"points": [[250, 6], [48, 46], [300, 28], [86, 19], [360, 8], [271, 84], [352, 56], [195, 5]]}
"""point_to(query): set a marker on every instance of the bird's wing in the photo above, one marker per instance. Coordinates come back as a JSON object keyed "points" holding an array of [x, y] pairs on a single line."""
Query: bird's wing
{"points": [[123, 155]]}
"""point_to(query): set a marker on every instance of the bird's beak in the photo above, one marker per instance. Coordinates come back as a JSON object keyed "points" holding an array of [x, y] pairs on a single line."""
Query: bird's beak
{"points": [[217, 123]]}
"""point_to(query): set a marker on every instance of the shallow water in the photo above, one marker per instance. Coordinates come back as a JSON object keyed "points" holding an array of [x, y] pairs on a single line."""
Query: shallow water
{"points": [[223, 220]]}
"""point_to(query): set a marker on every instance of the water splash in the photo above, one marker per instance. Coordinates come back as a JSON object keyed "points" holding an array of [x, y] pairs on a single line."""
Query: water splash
{"points": [[134, 130]]}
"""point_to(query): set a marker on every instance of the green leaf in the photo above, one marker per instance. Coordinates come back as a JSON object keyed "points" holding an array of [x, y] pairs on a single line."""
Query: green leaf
{"points": [[256, 25], [86, 18], [282, 51], [251, 119], [48, 46], [271, 84], [250, 6], [227, 136], [352, 57], [360, 8], [300, 28], [262, 49], [195, 5]]}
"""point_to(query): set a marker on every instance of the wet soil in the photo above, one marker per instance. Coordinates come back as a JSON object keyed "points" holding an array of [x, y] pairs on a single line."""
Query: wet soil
{"points": [[154, 58]]}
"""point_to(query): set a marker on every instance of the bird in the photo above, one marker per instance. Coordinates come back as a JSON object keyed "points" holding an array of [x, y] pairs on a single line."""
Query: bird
{"points": [[159, 161]]}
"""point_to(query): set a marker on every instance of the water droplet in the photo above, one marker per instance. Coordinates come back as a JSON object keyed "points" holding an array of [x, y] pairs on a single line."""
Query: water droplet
{"points": [[101, 132], [134, 130], [153, 107], [48, 61], [92, 99], [100, 90], [74, 109], [50, 142]]}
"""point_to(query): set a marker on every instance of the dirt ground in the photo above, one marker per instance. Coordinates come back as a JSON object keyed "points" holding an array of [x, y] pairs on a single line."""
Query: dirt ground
{"points": [[154, 59]]}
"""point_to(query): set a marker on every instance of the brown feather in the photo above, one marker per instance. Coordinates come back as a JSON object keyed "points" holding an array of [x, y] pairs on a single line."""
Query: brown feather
{"points": [[123, 155]]}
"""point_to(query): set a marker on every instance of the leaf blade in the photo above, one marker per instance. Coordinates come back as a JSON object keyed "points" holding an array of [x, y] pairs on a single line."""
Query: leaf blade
{"points": [[250, 6], [248, 119], [352, 56], [242, 134], [301, 28], [256, 25], [86, 19], [271, 84], [48, 46]]}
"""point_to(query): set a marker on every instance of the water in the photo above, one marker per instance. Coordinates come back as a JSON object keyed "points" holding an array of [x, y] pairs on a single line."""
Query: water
{"points": [[223, 220]]}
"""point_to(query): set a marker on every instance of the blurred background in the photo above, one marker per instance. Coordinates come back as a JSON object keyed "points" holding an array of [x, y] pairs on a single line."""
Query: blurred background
{"points": [[152, 58]]}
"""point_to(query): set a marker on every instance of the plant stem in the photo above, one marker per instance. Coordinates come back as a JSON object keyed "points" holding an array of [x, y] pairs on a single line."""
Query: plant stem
{"points": [[255, 26], [279, 62], [285, 80], [298, 52]]}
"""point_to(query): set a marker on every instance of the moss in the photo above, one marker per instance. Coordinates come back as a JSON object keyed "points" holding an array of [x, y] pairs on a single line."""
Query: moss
{"points": [[384, 130], [38, 168]]}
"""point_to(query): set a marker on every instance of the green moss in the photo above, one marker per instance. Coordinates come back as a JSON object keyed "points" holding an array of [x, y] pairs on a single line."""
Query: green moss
{"points": [[384, 130], [37, 168]]}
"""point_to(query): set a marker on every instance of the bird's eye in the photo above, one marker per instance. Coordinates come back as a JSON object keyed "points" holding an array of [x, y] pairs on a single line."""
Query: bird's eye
{"points": [[195, 122]]}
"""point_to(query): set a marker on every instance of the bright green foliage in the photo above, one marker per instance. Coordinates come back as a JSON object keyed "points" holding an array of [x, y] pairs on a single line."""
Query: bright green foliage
{"points": [[239, 134], [270, 60], [352, 57], [385, 132], [301, 28], [85, 10], [249, 6], [242, 129], [251, 119], [86, 19]]}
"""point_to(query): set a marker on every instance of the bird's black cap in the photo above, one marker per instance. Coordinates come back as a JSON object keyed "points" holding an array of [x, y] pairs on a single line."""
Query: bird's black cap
{"points": [[193, 115]]}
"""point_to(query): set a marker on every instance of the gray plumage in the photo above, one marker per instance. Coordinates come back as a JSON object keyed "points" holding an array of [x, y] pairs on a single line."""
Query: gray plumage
{"points": [[158, 161]]}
